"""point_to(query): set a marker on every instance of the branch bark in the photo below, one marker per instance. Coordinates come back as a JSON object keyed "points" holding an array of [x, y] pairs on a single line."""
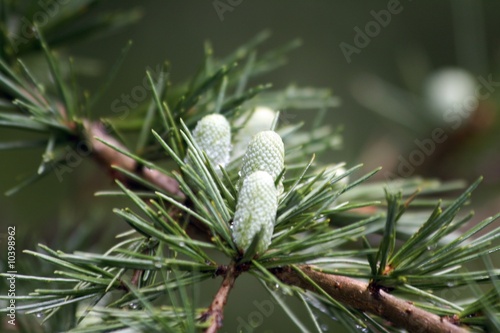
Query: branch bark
{"points": [[215, 312], [358, 295], [108, 157]]}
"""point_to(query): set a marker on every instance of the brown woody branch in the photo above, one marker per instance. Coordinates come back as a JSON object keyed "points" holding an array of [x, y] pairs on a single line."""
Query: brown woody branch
{"points": [[361, 296], [109, 157], [215, 312]]}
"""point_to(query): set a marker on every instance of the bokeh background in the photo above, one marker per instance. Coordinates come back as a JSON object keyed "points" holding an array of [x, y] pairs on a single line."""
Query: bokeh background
{"points": [[387, 91]]}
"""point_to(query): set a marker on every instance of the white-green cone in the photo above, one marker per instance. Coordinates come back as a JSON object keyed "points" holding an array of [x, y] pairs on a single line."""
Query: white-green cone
{"points": [[212, 135], [447, 90], [344, 181], [255, 211], [265, 152], [261, 120]]}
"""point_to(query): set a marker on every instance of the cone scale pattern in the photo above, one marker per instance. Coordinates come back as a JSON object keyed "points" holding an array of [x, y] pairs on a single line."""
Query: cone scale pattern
{"points": [[212, 135], [255, 211], [265, 152]]}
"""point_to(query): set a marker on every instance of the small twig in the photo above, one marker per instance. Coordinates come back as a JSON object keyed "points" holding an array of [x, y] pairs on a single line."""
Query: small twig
{"points": [[358, 295], [215, 312], [103, 153], [108, 157], [134, 280]]}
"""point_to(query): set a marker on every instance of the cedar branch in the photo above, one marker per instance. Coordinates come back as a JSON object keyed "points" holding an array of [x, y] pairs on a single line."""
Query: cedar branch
{"points": [[348, 291], [215, 312], [358, 295], [108, 157]]}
